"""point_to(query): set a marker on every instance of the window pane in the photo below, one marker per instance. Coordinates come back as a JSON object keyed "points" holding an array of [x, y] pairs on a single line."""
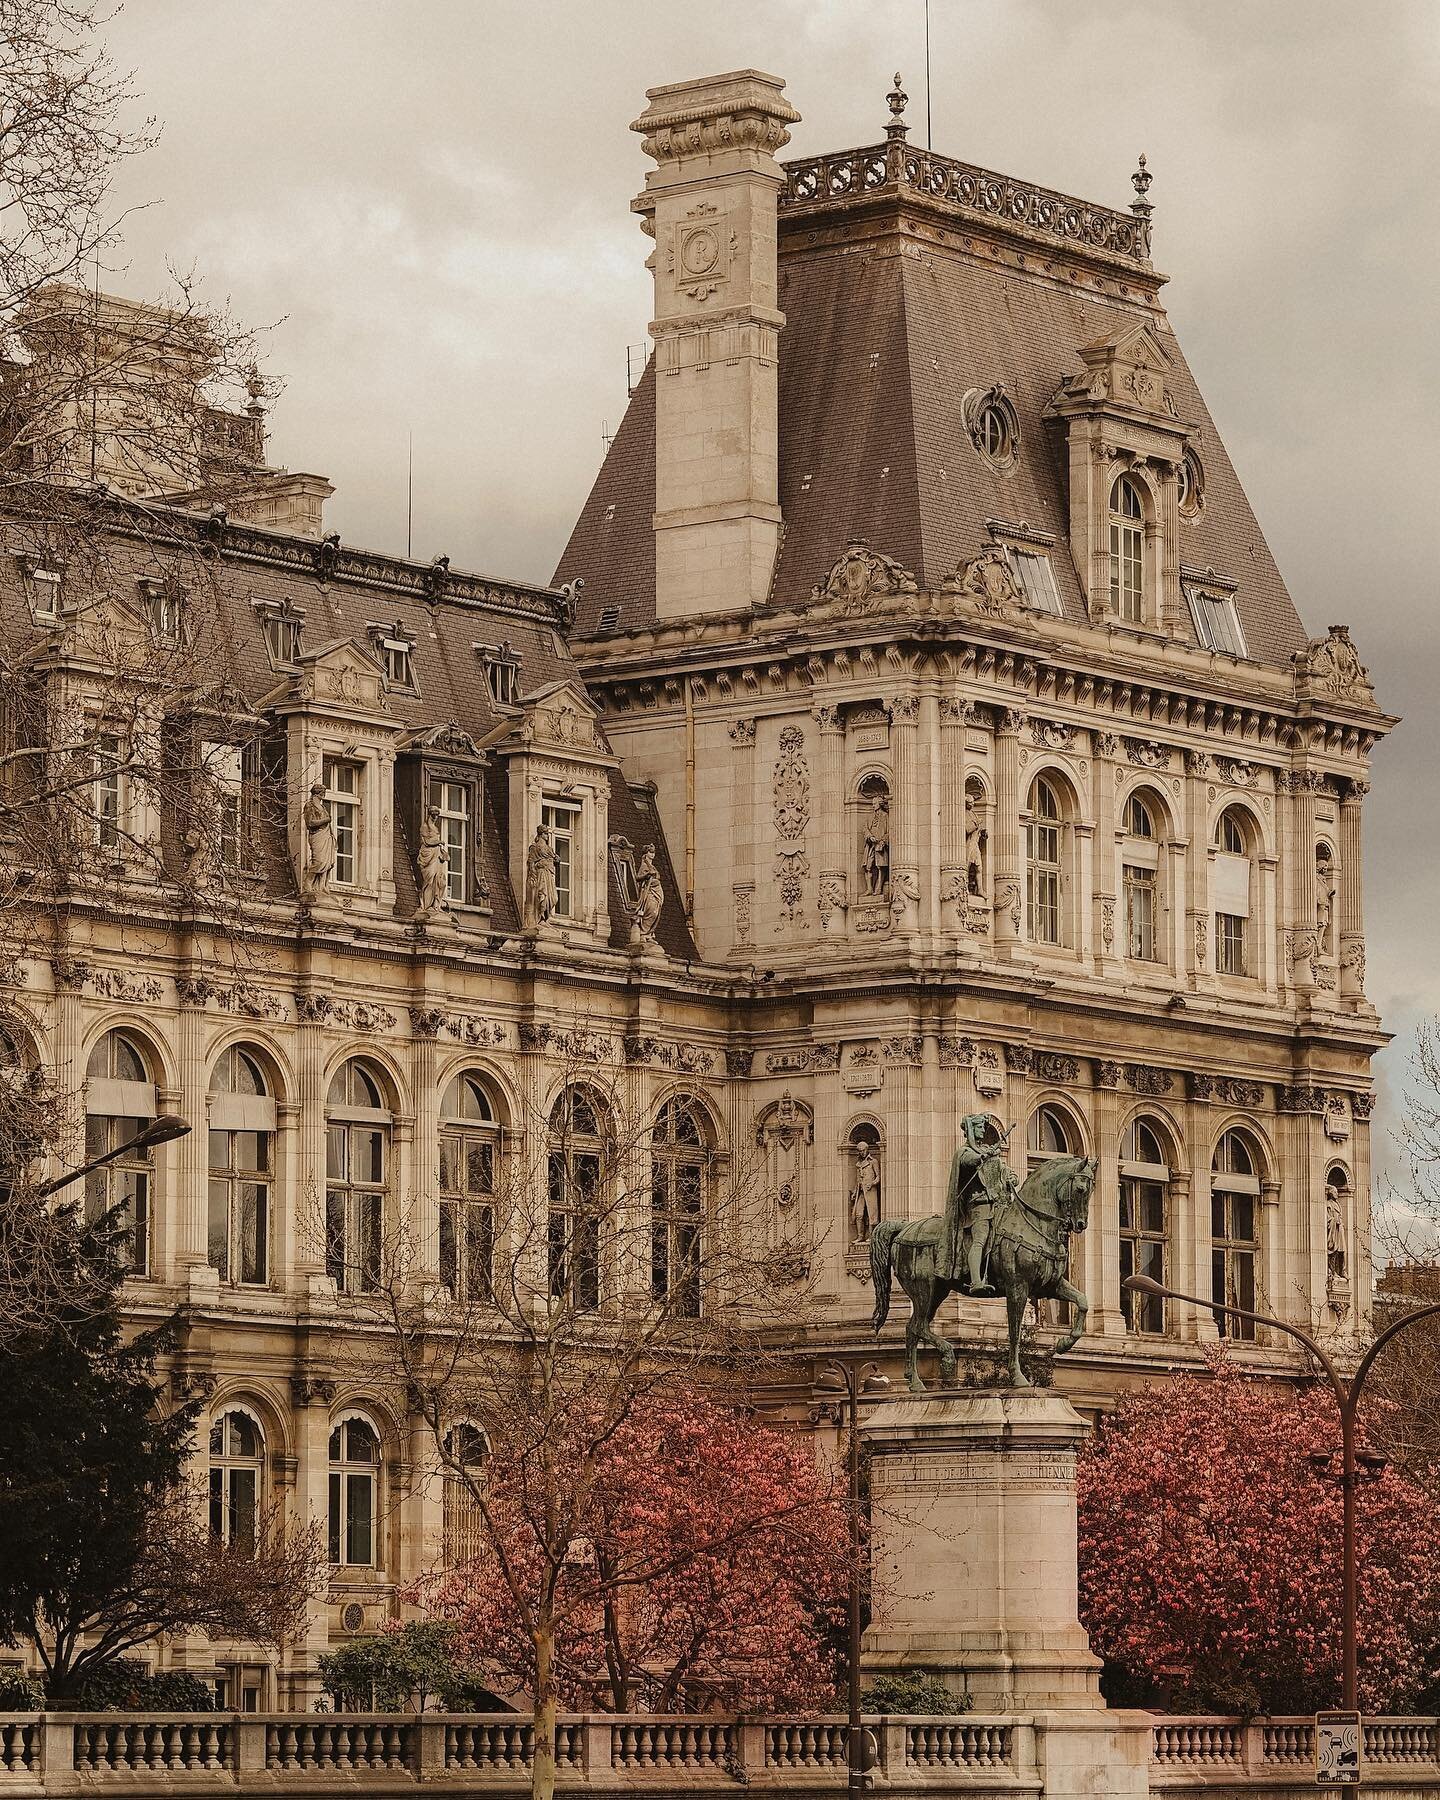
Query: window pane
{"points": [[371, 1226], [1152, 1206], [243, 1510], [449, 1273], [335, 1482], [252, 1228], [335, 1147], [367, 1150], [479, 1166], [1242, 1217], [479, 1252], [360, 1519], [335, 1234], [219, 1226], [217, 1502], [1217, 1216]]}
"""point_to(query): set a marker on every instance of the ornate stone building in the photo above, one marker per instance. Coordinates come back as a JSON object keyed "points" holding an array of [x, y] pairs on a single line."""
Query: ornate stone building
{"points": [[919, 726]]}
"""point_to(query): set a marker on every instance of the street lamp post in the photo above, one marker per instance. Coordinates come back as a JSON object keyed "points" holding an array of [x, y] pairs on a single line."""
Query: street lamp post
{"points": [[867, 1379], [160, 1130], [1347, 1398]]}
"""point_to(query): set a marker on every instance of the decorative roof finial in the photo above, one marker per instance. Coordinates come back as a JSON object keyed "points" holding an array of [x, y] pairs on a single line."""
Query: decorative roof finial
{"points": [[897, 100], [1140, 181]]}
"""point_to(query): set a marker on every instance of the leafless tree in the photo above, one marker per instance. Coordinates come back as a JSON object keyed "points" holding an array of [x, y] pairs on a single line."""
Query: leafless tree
{"points": [[611, 1262]]}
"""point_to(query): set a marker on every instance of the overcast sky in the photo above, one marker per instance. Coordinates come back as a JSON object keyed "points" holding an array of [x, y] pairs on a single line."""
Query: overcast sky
{"points": [[431, 198]]}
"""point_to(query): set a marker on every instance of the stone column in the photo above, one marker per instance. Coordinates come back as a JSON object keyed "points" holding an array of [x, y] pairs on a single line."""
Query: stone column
{"points": [[973, 1551], [1351, 897], [742, 815], [188, 1173], [1296, 835], [906, 798], [951, 903], [1197, 951], [1008, 881], [836, 857], [1102, 1240], [1105, 899]]}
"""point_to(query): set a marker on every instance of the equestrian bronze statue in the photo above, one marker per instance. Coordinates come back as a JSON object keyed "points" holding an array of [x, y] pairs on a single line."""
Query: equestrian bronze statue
{"points": [[997, 1235]]}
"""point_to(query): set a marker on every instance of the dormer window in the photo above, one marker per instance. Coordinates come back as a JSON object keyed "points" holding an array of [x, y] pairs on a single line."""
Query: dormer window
{"points": [[395, 650], [1217, 623], [993, 424], [1190, 485], [284, 633], [44, 586], [502, 673], [1127, 550], [164, 603], [1036, 579]]}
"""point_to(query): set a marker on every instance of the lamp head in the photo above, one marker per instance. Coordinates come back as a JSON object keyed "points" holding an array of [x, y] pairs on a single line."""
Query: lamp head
{"points": [[1141, 1284], [161, 1130]]}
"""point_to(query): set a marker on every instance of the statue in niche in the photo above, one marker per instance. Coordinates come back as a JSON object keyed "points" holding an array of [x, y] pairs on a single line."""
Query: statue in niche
{"points": [[319, 844], [875, 861], [540, 863], [649, 895], [975, 835], [1324, 900], [433, 866], [865, 1195], [1337, 1260]]}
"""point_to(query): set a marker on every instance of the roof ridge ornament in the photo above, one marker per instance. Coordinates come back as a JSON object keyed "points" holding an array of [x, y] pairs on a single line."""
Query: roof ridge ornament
{"points": [[897, 100], [1140, 181]]}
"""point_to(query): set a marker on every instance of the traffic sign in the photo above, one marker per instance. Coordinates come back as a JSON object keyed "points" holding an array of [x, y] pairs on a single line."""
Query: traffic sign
{"points": [[1338, 1739]]}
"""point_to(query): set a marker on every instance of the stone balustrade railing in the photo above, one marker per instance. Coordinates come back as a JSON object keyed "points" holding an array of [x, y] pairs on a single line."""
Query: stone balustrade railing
{"points": [[284, 1753], [1202, 1752]]}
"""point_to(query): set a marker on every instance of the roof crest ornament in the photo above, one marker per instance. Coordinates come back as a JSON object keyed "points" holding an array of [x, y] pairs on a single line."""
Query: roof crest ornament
{"points": [[897, 100], [1140, 181]]}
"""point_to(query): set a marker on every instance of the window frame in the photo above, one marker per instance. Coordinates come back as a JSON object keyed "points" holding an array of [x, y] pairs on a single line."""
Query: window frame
{"points": [[228, 1468], [347, 817], [1045, 877], [1129, 599], [1204, 606], [1144, 1248], [576, 1276], [459, 843], [678, 1220], [348, 1475], [356, 1211], [468, 1213], [1035, 577], [554, 808], [106, 1130], [1234, 837], [1235, 1257]]}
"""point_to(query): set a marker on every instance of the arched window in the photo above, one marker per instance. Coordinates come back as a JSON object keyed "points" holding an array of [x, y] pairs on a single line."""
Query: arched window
{"points": [[354, 1492], [242, 1165], [577, 1168], [1144, 1222], [24, 1105], [679, 1166], [119, 1102], [1045, 848], [237, 1468], [1048, 1135], [1234, 1231], [1140, 879], [1127, 550], [358, 1132], [1232, 879], [462, 1537], [469, 1150]]}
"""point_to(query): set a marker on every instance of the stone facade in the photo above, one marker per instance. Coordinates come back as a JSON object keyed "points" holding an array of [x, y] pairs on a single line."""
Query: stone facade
{"points": [[797, 799]]}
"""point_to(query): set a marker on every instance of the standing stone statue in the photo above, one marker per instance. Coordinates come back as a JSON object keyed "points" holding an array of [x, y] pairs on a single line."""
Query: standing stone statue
{"points": [[1336, 1253], [433, 866], [876, 860], [865, 1197], [1324, 901], [319, 844], [649, 895], [539, 878], [974, 848]]}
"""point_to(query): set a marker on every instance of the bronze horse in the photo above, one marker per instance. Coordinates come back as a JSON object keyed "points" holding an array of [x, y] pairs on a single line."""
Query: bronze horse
{"points": [[1029, 1254]]}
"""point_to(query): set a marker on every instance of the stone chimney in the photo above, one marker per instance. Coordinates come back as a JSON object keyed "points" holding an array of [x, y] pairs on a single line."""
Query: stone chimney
{"points": [[710, 205]]}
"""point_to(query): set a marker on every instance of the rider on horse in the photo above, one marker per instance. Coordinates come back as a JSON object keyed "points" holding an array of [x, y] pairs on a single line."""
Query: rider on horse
{"points": [[980, 1179]]}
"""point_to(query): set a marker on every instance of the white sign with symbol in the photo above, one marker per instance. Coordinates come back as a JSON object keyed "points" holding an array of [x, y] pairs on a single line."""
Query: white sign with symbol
{"points": [[1337, 1749]]}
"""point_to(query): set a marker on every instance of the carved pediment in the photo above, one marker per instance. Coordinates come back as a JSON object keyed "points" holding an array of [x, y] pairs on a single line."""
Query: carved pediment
{"points": [[988, 583], [564, 715], [860, 580], [1128, 368], [340, 674], [441, 740], [1331, 665]]}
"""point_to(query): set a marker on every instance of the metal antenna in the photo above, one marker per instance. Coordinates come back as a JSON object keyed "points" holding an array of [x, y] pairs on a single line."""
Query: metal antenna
{"points": [[409, 489], [929, 139]]}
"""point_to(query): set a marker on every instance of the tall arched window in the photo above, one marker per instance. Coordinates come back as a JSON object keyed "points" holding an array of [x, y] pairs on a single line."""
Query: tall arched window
{"points": [[1127, 550], [24, 1111], [1234, 1231], [1144, 1222], [358, 1131], [462, 1528], [1050, 1134], [1045, 848], [577, 1174], [354, 1492], [1140, 877], [237, 1468], [242, 1164], [679, 1164], [469, 1151], [119, 1102], [1232, 889]]}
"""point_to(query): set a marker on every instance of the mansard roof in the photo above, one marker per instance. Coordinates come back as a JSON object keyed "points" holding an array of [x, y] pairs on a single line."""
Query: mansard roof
{"points": [[896, 307]]}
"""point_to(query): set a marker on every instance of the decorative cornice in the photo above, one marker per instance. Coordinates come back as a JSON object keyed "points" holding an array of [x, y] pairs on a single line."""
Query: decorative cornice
{"points": [[687, 1059]]}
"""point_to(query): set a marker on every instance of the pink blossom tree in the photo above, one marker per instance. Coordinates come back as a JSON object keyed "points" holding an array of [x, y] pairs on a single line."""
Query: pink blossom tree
{"points": [[1210, 1552]]}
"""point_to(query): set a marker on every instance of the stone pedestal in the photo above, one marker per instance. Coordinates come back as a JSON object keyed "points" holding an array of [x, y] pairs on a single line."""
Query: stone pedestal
{"points": [[973, 1548]]}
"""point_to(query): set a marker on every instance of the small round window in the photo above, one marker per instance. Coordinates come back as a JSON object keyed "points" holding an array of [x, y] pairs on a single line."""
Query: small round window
{"points": [[1190, 485], [993, 425]]}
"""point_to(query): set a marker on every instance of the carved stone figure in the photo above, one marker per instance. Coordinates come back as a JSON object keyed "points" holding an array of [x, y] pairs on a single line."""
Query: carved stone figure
{"points": [[432, 864], [1337, 1260], [860, 579], [1324, 900], [539, 878], [865, 1195], [1333, 665], [649, 895], [319, 844], [876, 859], [975, 836], [988, 582]]}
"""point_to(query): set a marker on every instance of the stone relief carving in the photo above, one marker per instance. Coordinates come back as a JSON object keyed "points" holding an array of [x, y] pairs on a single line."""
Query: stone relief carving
{"points": [[1106, 1073], [832, 895], [1051, 734], [1146, 753], [649, 898], [986, 1072], [790, 788], [575, 1044], [905, 896], [1201, 936], [863, 1072], [1197, 762], [1106, 743], [1142, 1080], [1300, 1097], [784, 1133], [1107, 923], [742, 732], [356, 1015], [1019, 1058], [1352, 960], [465, 1028], [319, 859], [987, 583], [1223, 1090], [1236, 771], [743, 896], [1332, 666], [907, 1052], [1361, 1106], [241, 997], [814, 1058], [859, 579], [791, 868], [738, 1062], [119, 984], [686, 1059], [956, 1052], [1062, 1070], [1007, 900]]}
